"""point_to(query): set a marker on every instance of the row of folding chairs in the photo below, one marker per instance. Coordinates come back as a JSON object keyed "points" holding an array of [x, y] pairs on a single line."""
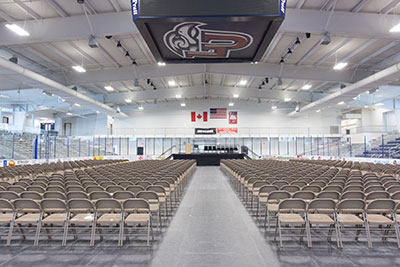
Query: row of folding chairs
{"points": [[30, 218]]}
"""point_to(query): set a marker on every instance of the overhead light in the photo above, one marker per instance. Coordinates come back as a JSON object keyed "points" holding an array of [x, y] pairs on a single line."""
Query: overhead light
{"points": [[307, 87], [76, 104], [235, 96], [243, 82], [326, 39], [183, 104], [69, 113], [4, 96], [140, 108], [128, 100], [318, 111], [297, 109], [171, 83], [365, 106], [287, 99], [109, 88], [395, 28], [178, 96], [379, 104], [97, 111], [341, 103], [78, 68], [161, 63], [279, 82], [17, 29], [274, 107], [340, 65], [63, 100], [231, 104]]}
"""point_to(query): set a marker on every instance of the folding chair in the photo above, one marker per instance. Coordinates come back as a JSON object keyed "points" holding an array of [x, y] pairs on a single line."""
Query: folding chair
{"points": [[379, 213], [55, 213], [82, 212], [273, 200], [137, 212], [322, 211], [7, 217], [351, 213], [31, 215], [108, 212], [291, 212]]}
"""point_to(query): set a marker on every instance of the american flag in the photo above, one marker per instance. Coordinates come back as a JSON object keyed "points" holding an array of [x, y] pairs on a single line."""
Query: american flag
{"points": [[217, 113]]}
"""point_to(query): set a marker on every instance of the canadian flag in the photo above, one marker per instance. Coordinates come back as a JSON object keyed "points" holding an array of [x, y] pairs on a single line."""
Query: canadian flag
{"points": [[198, 116]]}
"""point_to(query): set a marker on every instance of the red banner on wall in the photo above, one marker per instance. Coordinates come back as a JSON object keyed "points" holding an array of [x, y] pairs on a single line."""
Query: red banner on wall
{"points": [[233, 117], [227, 130]]}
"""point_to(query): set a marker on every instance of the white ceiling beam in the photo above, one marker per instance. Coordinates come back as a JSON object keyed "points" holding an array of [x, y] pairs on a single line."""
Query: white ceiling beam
{"points": [[6, 17], [259, 70], [214, 91], [115, 5], [348, 93], [300, 4], [309, 53], [377, 53], [394, 59], [272, 46], [359, 6], [392, 5], [89, 7], [358, 50], [364, 25], [332, 52], [28, 10], [84, 54], [58, 8]]}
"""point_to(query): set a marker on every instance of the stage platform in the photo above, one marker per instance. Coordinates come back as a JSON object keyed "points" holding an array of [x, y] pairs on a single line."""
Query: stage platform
{"points": [[209, 159]]}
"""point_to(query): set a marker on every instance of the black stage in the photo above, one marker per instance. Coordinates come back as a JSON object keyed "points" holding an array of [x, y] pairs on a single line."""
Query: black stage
{"points": [[209, 159]]}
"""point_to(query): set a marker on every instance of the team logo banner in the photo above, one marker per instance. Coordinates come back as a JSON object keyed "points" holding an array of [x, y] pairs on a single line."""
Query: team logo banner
{"points": [[195, 40], [227, 130], [205, 131], [233, 117]]}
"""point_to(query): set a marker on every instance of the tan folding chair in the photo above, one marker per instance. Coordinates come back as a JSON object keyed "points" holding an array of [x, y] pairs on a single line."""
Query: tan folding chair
{"points": [[31, 195], [137, 213], [7, 217], [320, 212], [379, 213], [108, 213], [273, 200], [82, 213], [31, 217], [291, 212], [152, 198], [351, 213], [55, 213], [123, 195]]}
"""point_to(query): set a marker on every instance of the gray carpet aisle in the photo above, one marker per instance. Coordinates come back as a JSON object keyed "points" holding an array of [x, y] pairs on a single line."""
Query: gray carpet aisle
{"points": [[212, 228]]}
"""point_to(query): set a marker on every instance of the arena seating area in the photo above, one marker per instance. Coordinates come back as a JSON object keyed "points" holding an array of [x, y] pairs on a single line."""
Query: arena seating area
{"points": [[304, 198], [90, 198]]}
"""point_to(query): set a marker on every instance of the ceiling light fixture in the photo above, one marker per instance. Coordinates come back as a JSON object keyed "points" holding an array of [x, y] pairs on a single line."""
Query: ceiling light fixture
{"points": [[318, 111], [235, 96], [97, 111], [379, 104], [340, 65], [171, 83], [231, 104], [141, 108], [183, 104], [17, 29], [128, 100], [109, 88], [287, 99], [396, 28], [307, 87], [178, 96], [76, 104], [243, 82], [161, 64], [69, 113], [274, 107], [78, 68], [341, 103]]}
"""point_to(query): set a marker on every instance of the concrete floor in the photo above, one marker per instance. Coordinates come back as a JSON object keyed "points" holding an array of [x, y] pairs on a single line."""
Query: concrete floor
{"points": [[210, 228]]}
